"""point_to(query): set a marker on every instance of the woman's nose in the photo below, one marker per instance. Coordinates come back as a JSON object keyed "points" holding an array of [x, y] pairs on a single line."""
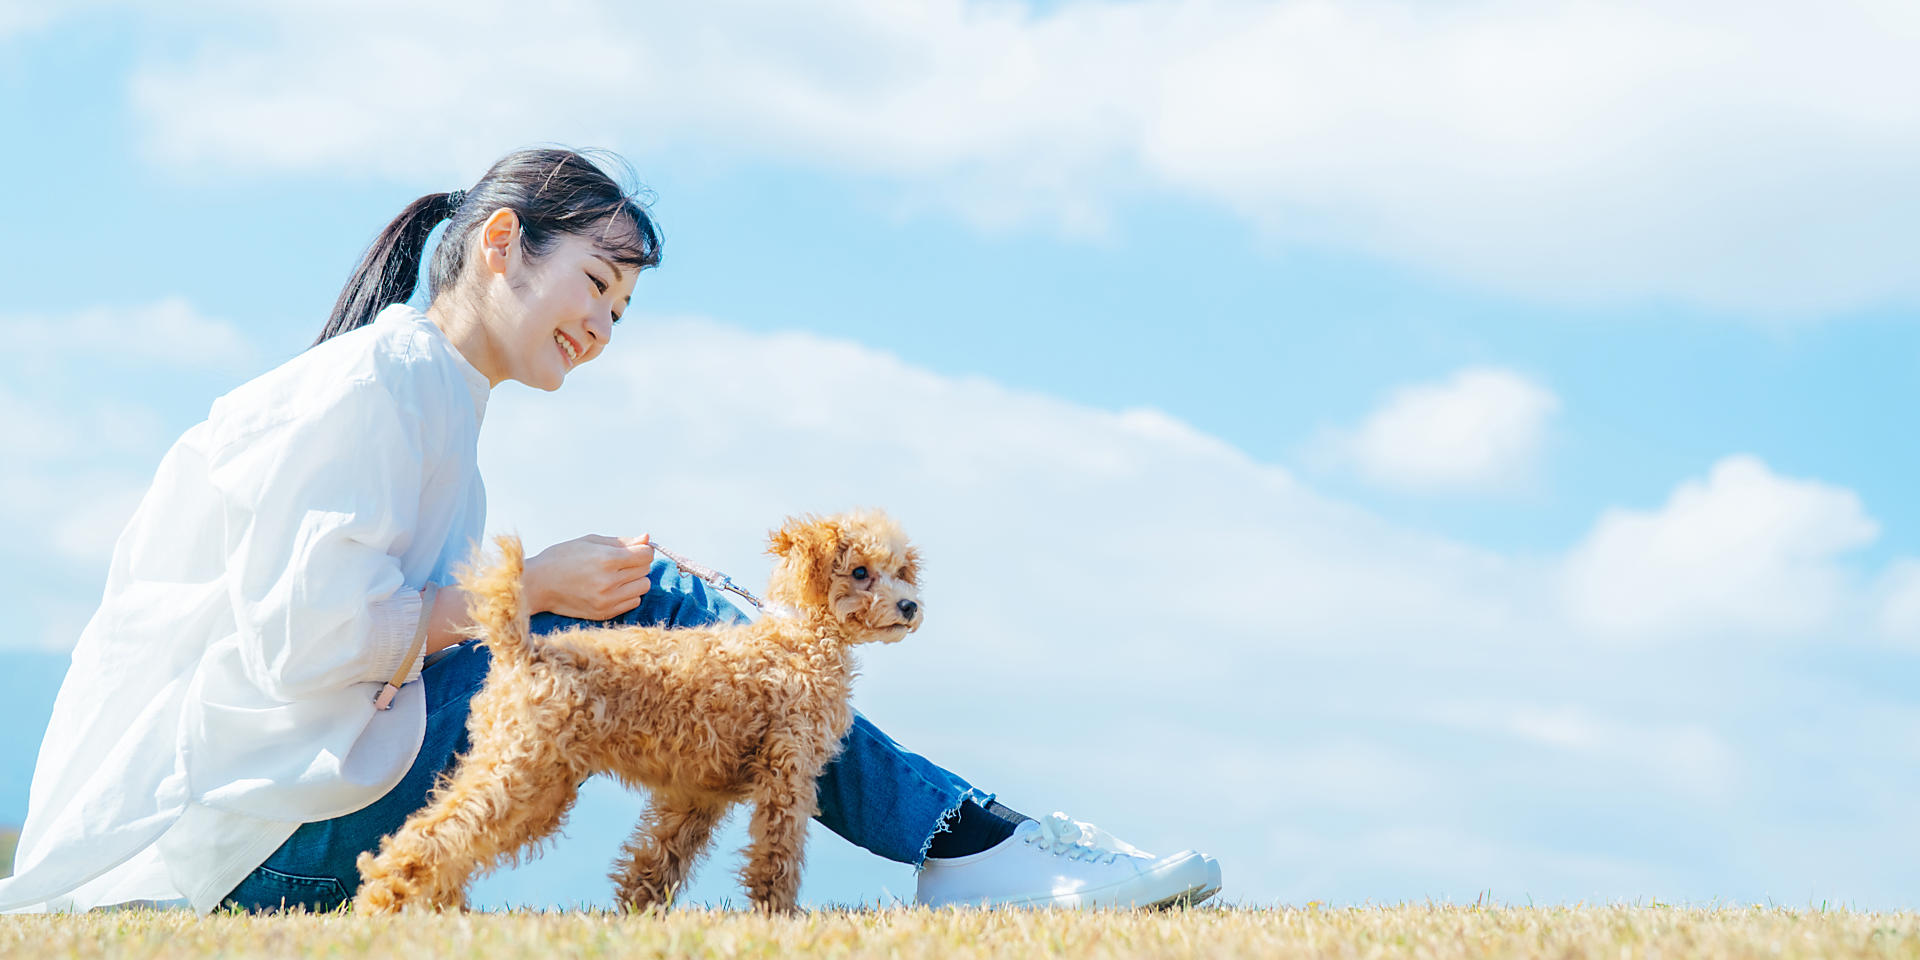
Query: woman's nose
{"points": [[600, 328]]}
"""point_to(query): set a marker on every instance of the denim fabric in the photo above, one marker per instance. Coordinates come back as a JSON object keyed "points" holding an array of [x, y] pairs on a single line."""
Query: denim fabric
{"points": [[876, 793]]}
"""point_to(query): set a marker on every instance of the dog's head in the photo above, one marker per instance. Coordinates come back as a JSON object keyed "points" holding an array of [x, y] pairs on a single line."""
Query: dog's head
{"points": [[854, 570]]}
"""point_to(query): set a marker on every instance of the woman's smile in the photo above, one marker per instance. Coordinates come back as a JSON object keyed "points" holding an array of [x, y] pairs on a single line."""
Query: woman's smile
{"points": [[568, 348]]}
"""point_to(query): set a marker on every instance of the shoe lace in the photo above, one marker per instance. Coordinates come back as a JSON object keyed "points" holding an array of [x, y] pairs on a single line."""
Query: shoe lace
{"points": [[1064, 836]]}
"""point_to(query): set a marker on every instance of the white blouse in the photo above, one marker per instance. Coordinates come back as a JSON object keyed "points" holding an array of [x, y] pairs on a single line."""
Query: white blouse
{"points": [[267, 585]]}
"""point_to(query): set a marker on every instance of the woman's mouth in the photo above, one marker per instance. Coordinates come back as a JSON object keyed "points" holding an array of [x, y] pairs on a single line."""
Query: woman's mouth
{"points": [[568, 349]]}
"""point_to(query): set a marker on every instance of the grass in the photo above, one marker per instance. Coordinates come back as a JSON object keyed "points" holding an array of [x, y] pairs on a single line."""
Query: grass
{"points": [[1418, 931]]}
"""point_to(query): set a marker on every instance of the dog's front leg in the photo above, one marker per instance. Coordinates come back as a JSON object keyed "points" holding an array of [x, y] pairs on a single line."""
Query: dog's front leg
{"points": [[672, 837], [784, 797]]}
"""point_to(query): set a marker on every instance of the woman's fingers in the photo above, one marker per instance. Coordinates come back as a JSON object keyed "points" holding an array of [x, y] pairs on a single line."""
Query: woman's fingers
{"points": [[595, 576], [621, 597], [631, 592]]}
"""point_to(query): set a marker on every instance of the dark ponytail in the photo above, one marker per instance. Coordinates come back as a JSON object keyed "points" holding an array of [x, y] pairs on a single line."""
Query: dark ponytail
{"points": [[551, 190], [391, 268]]}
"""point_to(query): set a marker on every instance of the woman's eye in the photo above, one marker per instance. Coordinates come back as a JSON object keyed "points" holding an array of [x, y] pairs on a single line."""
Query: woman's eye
{"points": [[859, 573], [598, 282]]}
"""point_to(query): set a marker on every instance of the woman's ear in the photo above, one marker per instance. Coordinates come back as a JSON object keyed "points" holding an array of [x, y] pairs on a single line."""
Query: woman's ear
{"points": [[500, 241]]}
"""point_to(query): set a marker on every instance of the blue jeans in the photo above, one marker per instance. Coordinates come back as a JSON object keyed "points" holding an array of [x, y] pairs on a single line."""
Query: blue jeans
{"points": [[876, 793]]}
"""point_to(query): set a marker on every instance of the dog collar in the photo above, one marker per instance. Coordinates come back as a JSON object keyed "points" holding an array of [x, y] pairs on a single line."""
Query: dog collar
{"points": [[778, 611]]}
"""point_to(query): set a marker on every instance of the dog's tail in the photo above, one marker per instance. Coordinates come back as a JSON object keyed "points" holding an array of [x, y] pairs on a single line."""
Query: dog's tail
{"points": [[496, 599]]}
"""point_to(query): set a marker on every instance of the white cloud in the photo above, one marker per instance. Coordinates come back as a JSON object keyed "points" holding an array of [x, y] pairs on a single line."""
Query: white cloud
{"points": [[1746, 553], [61, 624], [167, 332], [1899, 616], [1094, 505], [1687, 757], [1481, 429], [1509, 869], [20, 16], [86, 532], [90, 405], [27, 433], [37, 431], [1561, 150]]}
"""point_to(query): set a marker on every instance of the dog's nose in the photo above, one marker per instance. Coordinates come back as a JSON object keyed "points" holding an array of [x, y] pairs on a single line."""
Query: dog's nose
{"points": [[908, 608]]}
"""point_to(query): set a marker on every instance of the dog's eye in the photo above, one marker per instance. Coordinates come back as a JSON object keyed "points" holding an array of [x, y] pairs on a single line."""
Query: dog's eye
{"points": [[859, 573]]}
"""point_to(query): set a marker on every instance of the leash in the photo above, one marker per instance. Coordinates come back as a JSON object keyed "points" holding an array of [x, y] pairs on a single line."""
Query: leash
{"points": [[714, 578]]}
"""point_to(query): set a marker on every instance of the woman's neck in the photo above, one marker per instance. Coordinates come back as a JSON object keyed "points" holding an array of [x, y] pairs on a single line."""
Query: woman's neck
{"points": [[464, 329]]}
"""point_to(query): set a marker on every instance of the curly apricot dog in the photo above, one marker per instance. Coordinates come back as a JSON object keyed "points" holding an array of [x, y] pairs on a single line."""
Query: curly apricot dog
{"points": [[702, 717]]}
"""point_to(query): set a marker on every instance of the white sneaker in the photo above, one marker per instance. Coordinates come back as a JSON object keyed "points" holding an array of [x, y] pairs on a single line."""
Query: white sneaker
{"points": [[1213, 881], [1057, 861], [1197, 894], [1194, 896]]}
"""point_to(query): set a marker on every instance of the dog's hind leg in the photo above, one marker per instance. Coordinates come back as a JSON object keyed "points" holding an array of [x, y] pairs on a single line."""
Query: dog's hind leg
{"points": [[502, 797], [670, 839]]}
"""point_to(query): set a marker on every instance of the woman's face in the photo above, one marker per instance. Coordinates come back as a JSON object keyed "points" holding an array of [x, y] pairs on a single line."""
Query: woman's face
{"points": [[553, 313]]}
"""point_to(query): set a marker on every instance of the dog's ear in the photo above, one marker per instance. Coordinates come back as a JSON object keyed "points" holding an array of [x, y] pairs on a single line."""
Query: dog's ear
{"points": [[807, 547], [911, 573]]}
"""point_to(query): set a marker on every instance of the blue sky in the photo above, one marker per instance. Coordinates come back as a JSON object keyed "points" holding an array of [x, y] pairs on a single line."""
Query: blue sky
{"points": [[1468, 441]]}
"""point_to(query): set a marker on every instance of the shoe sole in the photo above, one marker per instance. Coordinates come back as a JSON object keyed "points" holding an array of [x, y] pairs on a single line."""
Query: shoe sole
{"points": [[1185, 898], [1197, 894], [1192, 895], [1189, 896]]}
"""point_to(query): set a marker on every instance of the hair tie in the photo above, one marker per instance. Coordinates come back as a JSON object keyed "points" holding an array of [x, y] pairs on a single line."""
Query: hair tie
{"points": [[454, 200]]}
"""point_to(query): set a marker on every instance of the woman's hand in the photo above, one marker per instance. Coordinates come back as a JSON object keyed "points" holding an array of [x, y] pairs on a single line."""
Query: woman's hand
{"points": [[590, 577]]}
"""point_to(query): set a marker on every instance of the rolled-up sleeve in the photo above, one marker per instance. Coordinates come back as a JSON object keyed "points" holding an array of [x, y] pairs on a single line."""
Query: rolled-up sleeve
{"points": [[317, 510], [395, 621]]}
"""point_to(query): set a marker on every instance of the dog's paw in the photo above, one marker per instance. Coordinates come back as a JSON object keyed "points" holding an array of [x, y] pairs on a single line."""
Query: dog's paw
{"points": [[642, 898], [381, 889], [777, 908], [378, 897]]}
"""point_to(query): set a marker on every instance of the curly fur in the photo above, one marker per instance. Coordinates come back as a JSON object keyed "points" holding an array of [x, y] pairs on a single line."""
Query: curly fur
{"points": [[701, 717]]}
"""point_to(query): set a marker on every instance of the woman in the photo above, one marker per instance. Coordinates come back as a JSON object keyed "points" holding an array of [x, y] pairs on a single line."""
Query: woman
{"points": [[226, 734]]}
